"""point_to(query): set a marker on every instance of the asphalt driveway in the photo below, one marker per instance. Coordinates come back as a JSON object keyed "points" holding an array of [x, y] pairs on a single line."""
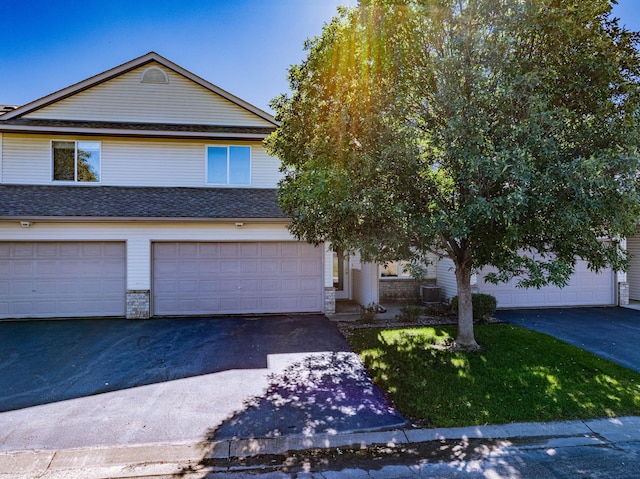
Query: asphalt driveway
{"points": [[612, 333], [80, 383]]}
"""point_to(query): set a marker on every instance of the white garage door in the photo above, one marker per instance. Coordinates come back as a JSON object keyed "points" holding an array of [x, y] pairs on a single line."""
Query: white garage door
{"points": [[236, 278], [586, 288], [46, 280]]}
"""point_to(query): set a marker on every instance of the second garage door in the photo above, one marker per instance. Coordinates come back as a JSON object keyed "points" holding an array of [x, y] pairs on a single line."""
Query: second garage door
{"points": [[585, 288], [236, 278]]}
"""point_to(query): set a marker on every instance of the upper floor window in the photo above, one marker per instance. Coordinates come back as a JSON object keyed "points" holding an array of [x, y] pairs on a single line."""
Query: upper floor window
{"points": [[395, 269], [229, 165], [76, 161]]}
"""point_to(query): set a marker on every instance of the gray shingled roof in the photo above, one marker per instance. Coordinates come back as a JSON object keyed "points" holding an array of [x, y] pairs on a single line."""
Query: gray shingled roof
{"points": [[23, 202], [112, 125]]}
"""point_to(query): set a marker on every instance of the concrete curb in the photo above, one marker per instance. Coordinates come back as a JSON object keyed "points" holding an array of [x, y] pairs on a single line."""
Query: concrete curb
{"points": [[130, 461]]}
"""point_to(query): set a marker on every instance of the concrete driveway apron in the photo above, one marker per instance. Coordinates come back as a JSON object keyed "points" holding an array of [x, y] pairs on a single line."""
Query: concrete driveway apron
{"points": [[612, 333], [88, 383]]}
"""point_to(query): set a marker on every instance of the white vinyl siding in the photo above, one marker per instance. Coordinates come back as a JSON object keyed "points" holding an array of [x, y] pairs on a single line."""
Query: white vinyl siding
{"points": [[364, 284], [126, 99], [131, 161], [446, 277], [633, 275], [1, 150]]}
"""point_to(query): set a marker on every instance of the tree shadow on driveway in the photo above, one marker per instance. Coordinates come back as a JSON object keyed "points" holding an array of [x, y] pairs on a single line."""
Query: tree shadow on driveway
{"points": [[321, 393]]}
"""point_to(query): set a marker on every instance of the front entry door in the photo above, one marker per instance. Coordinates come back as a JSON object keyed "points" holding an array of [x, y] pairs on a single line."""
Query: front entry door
{"points": [[341, 275]]}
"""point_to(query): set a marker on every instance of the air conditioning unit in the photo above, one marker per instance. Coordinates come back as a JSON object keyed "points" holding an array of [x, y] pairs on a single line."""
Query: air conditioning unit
{"points": [[430, 294]]}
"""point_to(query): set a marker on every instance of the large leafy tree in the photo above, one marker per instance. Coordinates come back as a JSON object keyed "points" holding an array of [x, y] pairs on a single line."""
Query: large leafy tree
{"points": [[491, 132]]}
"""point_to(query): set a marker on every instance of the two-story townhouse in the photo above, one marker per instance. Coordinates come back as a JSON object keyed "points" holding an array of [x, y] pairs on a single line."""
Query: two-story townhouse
{"points": [[146, 191]]}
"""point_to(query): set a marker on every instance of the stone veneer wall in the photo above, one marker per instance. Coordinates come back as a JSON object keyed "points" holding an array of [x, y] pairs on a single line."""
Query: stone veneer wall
{"points": [[623, 293], [138, 304], [400, 290]]}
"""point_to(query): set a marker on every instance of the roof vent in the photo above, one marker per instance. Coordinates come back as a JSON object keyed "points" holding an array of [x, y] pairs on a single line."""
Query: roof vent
{"points": [[154, 75]]}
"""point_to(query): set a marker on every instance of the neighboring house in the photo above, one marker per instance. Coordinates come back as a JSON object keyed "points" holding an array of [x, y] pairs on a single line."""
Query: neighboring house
{"points": [[146, 191]]}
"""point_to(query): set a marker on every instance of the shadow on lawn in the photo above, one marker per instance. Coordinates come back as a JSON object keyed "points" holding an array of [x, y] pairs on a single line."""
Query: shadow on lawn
{"points": [[518, 376]]}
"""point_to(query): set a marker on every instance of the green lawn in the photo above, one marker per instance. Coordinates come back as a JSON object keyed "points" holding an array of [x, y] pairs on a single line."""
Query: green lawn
{"points": [[519, 375]]}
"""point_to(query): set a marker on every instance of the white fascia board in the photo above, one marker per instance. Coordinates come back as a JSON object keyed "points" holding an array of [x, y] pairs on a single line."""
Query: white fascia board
{"points": [[130, 133]]}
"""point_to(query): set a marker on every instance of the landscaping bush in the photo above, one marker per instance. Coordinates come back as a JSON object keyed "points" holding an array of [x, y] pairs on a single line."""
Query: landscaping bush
{"points": [[439, 309], [368, 313], [410, 313], [484, 305]]}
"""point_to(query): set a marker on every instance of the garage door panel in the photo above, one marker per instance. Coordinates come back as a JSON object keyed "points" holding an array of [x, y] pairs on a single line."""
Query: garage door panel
{"points": [[250, 250], [57, 279], [46, 250], [69, 250], [23, 250], [22, 288], [23, 268], [210, 266], [229, 250], [46, 286], [248, 267], [243, 278]]}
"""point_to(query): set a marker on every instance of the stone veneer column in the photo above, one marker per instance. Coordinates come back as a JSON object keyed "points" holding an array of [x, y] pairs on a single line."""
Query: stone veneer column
{"points": [[623, 293], [138, 306], [329, 301]]}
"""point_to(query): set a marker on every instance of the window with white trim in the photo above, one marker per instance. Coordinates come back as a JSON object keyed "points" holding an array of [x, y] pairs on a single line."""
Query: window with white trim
{"points": [[77, 161], [229, 165], [395, 270]]}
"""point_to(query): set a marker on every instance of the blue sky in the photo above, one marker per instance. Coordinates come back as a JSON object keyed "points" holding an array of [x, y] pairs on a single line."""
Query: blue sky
{"points": [[243, 46]]}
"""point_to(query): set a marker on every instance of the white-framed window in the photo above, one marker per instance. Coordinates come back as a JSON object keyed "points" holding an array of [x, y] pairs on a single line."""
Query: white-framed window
{"points": [[76, 161], [394, 270], [228, 165]]}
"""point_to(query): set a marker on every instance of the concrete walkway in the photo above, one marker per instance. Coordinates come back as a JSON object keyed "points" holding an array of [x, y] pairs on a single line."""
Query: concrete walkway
{"points": [[272, 457]]}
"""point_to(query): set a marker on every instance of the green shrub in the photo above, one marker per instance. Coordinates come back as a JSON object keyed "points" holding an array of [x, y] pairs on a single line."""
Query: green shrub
{"points": [[368, 313], [484, 305], [410, 313], [440, 309]]}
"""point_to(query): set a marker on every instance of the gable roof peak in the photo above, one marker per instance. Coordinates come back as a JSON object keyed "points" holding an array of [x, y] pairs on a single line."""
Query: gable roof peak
{"points": [[124, 68]]}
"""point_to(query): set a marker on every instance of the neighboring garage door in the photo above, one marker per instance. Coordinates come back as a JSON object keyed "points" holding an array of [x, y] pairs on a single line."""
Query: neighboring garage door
{"points": [[61, 279], [585, 288], [236, 278]]}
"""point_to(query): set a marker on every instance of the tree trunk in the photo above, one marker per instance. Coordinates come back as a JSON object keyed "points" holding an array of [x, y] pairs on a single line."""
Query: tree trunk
{"points": [[465, 339]]}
